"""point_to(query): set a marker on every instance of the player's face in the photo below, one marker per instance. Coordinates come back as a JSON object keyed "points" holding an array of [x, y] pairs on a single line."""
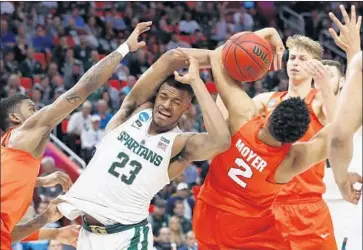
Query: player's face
{"points": [[336, 79], [170, 104], [23, 111], [297, 56]]}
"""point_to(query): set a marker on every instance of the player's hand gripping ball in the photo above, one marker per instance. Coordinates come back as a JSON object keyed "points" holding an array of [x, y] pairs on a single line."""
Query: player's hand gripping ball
{"points": [[247, 57]]}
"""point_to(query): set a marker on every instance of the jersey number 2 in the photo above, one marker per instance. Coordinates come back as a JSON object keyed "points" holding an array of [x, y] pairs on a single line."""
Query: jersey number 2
{"points": [[244, 171], [124, 159]]}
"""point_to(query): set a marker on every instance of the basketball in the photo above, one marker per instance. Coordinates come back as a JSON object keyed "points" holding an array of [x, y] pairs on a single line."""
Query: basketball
{"points": [[246, 57]]}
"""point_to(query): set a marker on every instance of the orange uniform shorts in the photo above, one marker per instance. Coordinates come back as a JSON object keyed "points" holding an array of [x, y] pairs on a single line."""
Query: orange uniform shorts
{"points": [[217, 229], [306, 226]]}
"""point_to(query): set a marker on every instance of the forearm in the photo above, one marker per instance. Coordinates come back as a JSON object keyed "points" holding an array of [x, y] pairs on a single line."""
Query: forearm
{"points": [[340, 154], [23, 230], [329, 103], [213, 119], [202, 55], [97, 75]]}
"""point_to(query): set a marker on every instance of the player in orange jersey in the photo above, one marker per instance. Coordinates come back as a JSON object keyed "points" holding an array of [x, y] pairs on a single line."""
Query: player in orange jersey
{"points": [[25, 140], [300, 210], [234, 207]]}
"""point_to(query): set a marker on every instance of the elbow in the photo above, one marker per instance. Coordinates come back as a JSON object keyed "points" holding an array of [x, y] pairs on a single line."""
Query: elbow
{"points": [[224, 142]]}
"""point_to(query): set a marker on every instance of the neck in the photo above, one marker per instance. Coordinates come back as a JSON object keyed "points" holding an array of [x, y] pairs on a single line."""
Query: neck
{"points": [[154, 129], [265, 136], [301, 89]]}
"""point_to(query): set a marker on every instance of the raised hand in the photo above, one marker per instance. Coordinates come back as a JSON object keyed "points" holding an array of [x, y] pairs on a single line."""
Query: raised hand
{"points": [[193, 72], [318, 72], [349, 37], [132, 40], [277, 46]]}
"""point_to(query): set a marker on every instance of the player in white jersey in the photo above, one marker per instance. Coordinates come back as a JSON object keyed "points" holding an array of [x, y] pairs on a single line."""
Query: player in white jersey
{"points": [[143, 150]]}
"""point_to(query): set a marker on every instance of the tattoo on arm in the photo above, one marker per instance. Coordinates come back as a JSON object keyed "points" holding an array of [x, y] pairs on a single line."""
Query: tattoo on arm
{"points": [[73, 98]]}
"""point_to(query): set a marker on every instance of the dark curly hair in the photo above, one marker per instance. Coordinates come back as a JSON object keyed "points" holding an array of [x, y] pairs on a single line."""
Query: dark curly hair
{"points": [[290, 120], [8, 105]]}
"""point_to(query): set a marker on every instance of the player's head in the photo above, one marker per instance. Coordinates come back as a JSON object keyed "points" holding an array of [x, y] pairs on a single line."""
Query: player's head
{"points": [[301, 49], [336, 72], [14, 110], [289, 121], [172, 100]]}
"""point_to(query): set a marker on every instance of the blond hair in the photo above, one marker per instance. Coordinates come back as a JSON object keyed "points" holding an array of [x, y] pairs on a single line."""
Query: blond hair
{"points": [[312, 47]]}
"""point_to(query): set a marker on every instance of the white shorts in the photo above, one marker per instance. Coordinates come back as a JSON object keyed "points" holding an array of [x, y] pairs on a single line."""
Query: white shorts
{"points": [[138, 238]]}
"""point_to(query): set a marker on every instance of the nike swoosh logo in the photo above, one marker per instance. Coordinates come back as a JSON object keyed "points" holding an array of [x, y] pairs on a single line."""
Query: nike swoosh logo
{"points": [[324, 235]]}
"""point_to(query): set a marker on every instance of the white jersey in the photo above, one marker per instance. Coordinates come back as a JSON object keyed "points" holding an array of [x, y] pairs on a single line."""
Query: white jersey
{"points": [[128, 169]]}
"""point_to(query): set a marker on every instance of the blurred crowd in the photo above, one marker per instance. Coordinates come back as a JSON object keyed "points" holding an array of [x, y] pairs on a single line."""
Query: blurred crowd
{"points": [[47, 46]]}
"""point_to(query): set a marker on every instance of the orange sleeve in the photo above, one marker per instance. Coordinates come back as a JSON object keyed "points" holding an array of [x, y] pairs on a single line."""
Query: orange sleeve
{"points": [[32, 237]]}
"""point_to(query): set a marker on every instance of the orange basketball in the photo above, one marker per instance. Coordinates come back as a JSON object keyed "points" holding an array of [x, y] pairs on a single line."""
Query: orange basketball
{"points": [[247, 57]]}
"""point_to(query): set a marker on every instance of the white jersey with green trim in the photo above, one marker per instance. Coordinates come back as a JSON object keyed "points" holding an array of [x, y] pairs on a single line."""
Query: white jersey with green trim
{"points": [[129, 167]]}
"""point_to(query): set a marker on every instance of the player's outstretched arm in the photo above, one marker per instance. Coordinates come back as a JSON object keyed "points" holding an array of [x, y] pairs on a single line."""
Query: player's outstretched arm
{"points": [[347, 120], [304, 155], [50, 116], [203, 146], [147, 85], [239, 105], [50, 215]]}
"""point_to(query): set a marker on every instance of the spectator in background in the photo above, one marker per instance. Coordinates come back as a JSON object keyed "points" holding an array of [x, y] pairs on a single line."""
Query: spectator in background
{"points": [[75, 18], [190, 243], [90, 138], [55, 245], [175, 42], [78, 122], [178, 211], [83, 50], [182, 194], [59, 52], [177, 236], [131, 80], [73, 78], [7, 37], [42, 42], [187, 25], [102, 111], [138, 65], [243, 21], [95, 57], [48, 193], [67, 68], [46, 90], [36, 97], [10, 65], [163, 241], [53, 70], [20, 49], [14, 83], [158, 219], [30, 67]]}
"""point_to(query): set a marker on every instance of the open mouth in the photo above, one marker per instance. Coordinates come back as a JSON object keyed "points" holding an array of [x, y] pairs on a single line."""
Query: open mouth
{"points": [[164, 114]]}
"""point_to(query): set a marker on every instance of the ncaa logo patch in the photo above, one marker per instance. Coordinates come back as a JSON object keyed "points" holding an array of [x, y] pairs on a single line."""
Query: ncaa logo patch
{"points": [[143, 116]]}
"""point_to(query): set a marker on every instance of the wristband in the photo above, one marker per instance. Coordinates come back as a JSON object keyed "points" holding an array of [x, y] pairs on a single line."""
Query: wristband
{"points": [[123, 49]]}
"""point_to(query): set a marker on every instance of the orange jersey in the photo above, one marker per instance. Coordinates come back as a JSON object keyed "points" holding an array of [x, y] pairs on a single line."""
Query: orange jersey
{"points": [[240, 180], [19, 170], [310, 183]]}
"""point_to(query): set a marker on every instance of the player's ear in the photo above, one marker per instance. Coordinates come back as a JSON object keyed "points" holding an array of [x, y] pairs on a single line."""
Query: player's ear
{"points": [[14, 118], [341, 82]]}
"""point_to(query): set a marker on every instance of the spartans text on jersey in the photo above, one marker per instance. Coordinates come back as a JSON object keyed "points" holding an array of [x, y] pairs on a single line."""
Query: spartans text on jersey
{"points": [[139, 149]]}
